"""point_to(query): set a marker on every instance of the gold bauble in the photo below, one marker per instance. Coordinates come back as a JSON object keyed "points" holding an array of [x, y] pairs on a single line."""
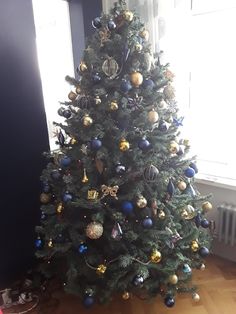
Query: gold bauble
{"points": [[73, 141], [87, 120], [196, 297], [124, 145], [92, 195], [173, 147], [155, 256], [207, 206], [173, 279], [126, 295], [59, 208], [136, 79], [72, 96], [144, 34], [78, 89], [194, 246], [114, 105], [202, 267], [141, 202], [188, 212], [94, 230], [186, 142], [45, 198], [85, 178], [83, 67], [97, 100], [153, 116], [50, 243], [181, 185], [101, 269], [161, 214], [128, 15], [138, 47]]}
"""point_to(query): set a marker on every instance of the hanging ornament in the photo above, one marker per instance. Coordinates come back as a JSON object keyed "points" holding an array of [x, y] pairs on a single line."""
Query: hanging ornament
{"points": [[188, 212], [128, 15], [144, 34], [87, 120], [82, 67], [162, 104], [141, 202], [147, 222], [138, 47], [101, 269], [190, 190], [136, 79], [96, 78], [148, 84], [110, 190], [138, 280], [67, 197], [169, 301], [189, 172], [59, 208], [85, 178], [203, 251], [178, 122], [84, 101], [173, 279], [202, 267], [124, 145], [181, 150], [170, 188], [72, 96], [125, 86], [116, 232], [94, 230], [92, 195], [194, 166], [144, 144], [73, 141], [83, 248], [111, 25], [97, 100], [78, 89], [96, 23], [95, 144], [110, 67], [205, 223], [163, 126], [194, 246], [154, 207], [135, 103], [67, 113], [45, 198], [65, 161], [126, 295], [120, 169], [198, 219], [187, 269], [155, 256], [127, 207], [153, 116], [161, 214], [169, 92], [173, 147], [181, 185], [196, 297], [38, 243], [88, 301], [150, 173], [60, 111], [206, 206], [50, 243], [55, 174], [113, 105], [43, 216], [46, 187]]}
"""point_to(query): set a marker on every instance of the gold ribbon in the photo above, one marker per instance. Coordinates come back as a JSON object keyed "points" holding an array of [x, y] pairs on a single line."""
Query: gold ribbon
{"points": [[110, 190]]}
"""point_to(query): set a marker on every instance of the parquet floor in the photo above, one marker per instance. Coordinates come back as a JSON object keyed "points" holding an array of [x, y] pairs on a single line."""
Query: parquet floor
{"points": [[217, 288]]}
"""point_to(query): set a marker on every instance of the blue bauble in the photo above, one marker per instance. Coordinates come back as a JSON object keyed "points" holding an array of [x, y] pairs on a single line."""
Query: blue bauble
{"points": [[169, 301], [67, 113], [144, 144], [67, 197], [163, 126], [120, 169], [96, 23], [147, 222], [60, 111], [38, 243], [170, 188], [138, 280], [203, 251], [194, 166], [127, 207], [187, 269], [111, 25], [189, 172], [96, 78], [95, 144], [125, 86], [148, 84], [55, 174], [88, 301], [205, 223], [198, 220], [65, 161], [82, 248]]}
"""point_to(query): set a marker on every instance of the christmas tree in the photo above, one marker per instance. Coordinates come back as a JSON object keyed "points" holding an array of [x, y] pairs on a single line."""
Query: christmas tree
{"points": [[120, 210]]}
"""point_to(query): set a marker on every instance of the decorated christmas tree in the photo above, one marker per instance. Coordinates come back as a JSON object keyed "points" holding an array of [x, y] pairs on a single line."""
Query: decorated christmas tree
{"points": [[120, 211]]}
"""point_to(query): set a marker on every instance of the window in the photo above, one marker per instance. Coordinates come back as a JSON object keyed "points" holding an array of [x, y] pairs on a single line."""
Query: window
{"points": [[54, 48]]}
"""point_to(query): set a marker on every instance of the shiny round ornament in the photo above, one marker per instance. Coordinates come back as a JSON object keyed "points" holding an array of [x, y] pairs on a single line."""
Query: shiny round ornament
{"points": [[72, 96], [203, 251], [207, 206], [95, 144], [155, 256], [138, 280], [67, 197], [173, 279], [124, 145], [194, 246], [125, 86], [169, 301], [153, 116], [67, 113], [83, 67], [187, 269], [111, 25], [113, 105], [205, 223], [173, 147], [144, 34], [38, 243], [141, 202], [110, 67], [138, 47], [88, 301], [45, 198], [128, 15], [97, 100], [94, 230], [73, 141], [144, 144], [161, 214], [87, 120], [78, 89], [126, 295], [120, 169], [189, 172], [127, 207], [181, 185], [148, 84], [202, 267], [65, 161], [188, 212], [150, 173], [60, 111], [136, 79], [96, 78], [196, 297], [147, 222], [96, 23], [194, 166]]}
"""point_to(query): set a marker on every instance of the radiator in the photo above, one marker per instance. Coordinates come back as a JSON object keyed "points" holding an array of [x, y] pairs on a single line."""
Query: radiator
{"points": [[227, 224]]}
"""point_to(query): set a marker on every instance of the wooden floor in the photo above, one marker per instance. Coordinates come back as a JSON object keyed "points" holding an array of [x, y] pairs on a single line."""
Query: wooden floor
{"points": [[217, 288]]}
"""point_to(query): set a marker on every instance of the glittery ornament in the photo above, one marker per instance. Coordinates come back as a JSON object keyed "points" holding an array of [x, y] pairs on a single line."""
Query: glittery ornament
{"points": [[169, 92], [83, 67], [150, 173], [94, 230], [85, 178], [128, 15], [72, 96], [194, 246], [181, 185], [45, 198], [161, 214], [87, 120], [206, 206], [124, 145], [155, 256], [144, 34], [109, 190], [50, 243], [113, 105], [153, 116], [173, 279], [110, 67], [188, 212], [97, 100], [141, 202], [116, 232], [101, 269], [136, 79], [59, 208], [92, 195], [173, 147], [125, 295]]}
